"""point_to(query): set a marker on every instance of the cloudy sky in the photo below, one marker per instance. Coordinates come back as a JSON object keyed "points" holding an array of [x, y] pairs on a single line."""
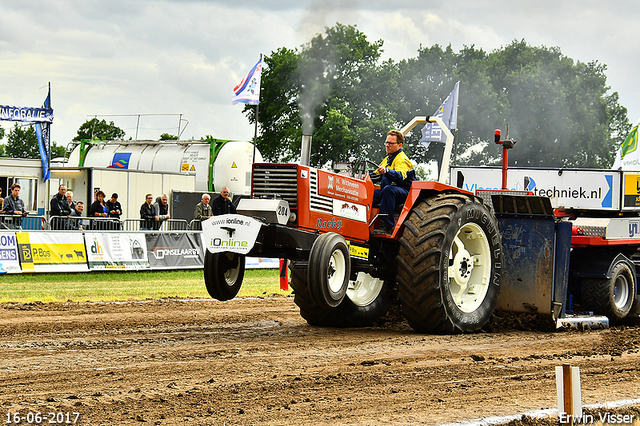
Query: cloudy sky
{"points": [[115, 58]]}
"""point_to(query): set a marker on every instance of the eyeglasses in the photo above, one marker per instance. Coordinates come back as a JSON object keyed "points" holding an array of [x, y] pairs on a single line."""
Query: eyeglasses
{"points": [[391, 143], [149, 198]]}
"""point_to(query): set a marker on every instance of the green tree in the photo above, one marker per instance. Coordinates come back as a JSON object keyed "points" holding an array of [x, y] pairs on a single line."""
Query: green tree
{"points": [[2, 150], [95, 129], [58, 151], [556, 107], [336, 88], [317, 91], [22, 142], [168, 137]]}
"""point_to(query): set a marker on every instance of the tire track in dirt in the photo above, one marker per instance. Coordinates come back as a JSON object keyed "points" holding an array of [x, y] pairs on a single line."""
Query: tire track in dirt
{"points": [[255, 361]]}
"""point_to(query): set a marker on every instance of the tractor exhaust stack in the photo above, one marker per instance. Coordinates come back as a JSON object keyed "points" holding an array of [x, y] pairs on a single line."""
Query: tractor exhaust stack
{"points": [[305, 152]]}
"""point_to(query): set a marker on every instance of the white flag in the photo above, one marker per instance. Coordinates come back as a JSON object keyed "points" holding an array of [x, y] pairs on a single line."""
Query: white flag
{"points": [[248, 91]]}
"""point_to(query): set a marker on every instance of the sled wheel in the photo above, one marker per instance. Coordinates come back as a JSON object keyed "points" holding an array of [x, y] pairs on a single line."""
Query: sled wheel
{"points": [[223, 274], [449, 265], [329, 269], [612, 297]]}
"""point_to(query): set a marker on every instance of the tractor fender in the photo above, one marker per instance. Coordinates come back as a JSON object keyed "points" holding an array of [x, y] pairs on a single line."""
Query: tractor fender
{"points": [[424, 189]]}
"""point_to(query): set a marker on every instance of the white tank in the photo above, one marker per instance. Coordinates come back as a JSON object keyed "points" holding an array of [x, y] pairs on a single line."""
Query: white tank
{"points": [[99, 155], [196, 159], [231, 166]]}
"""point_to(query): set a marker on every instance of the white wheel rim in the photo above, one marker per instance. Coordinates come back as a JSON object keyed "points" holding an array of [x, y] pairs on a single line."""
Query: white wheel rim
{"points": [[232, 274], [336, 271], [469, 270], [364, 290], [621, 292]]}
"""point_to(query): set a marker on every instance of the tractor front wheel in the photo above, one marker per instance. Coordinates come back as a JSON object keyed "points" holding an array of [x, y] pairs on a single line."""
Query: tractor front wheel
{"points": [[329, 269]]}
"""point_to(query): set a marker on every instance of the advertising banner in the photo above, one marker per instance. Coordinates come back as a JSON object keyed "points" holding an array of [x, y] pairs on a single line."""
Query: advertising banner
{"points": [[116, 251], [175, 251], [261, 263], [578, 189], [9, 263], [230, 232], [51, 252], [27, 114], [631, 188], [342, 187]]}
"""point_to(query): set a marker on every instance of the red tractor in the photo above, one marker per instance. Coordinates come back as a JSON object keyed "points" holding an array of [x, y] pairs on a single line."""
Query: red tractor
{"points": [[443, 259]]}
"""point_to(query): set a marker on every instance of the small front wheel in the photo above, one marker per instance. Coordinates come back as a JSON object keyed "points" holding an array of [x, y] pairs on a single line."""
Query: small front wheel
{"points": [[223, 274], [329, 269]]}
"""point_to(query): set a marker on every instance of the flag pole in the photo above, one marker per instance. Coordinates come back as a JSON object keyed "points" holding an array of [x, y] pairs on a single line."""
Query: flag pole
{"points": [[49, 139], [255, 133]]}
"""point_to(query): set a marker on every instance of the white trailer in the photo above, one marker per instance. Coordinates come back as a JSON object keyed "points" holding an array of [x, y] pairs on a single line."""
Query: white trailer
{"points": [[603, 208]]}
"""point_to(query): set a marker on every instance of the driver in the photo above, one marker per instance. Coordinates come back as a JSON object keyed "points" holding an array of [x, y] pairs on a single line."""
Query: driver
{"points": [[397, 174]]}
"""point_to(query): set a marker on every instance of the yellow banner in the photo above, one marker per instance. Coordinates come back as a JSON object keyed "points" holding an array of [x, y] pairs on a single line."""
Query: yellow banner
{"points": [[51, 252]]}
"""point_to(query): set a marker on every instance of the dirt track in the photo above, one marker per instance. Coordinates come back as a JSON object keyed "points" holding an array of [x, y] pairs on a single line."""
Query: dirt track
{"points": [[257, 362]]}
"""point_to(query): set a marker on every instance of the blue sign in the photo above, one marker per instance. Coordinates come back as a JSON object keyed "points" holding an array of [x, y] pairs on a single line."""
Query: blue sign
{"points": [[30, 115], [120, 160]]}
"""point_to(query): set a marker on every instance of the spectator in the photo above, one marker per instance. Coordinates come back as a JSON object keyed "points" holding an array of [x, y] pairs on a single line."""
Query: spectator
{"points": [[148, 214], [115, 211], [222, 203], [59, 208], [13, 205], [114, 206], [98, 210], [72, 204], [1, 199], [76, 212], [203, 210], [162, 210]]}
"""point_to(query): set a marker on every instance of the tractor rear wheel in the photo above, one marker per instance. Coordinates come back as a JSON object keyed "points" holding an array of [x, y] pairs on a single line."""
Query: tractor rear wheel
{"points": [[449, 265], [612, 297], [223, 274]]}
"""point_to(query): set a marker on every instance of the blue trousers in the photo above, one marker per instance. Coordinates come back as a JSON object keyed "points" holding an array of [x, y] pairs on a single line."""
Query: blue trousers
{"points": [[389, 197]]}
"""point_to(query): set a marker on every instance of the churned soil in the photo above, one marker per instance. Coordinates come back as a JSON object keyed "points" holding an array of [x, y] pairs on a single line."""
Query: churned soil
{"points": [[257, 362]]}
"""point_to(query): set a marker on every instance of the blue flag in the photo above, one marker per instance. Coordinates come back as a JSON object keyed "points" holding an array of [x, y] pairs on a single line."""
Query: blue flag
{"points": [[448, 112], [44, 141]]}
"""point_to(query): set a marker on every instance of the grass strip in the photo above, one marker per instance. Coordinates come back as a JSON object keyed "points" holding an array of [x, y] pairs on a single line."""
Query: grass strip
{"points": [[121, 286]]}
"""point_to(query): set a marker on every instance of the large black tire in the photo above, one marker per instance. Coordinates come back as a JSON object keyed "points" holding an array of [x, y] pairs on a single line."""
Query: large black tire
{"points": [[223, 274], [368, 299], [329, 269], [613, 297], [449, 265]]}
